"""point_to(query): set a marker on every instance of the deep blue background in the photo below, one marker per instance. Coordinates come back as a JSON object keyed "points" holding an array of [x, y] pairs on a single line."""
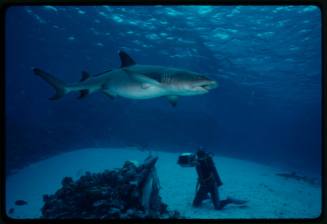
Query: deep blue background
{"points": [[267, 60]]}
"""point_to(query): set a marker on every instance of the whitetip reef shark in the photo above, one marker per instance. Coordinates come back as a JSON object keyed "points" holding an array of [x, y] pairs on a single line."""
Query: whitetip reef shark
{"points": [[134, 81]]}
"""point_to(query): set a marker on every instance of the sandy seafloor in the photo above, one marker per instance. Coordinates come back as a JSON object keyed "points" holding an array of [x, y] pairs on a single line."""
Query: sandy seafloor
{"points": [[269, 196]]}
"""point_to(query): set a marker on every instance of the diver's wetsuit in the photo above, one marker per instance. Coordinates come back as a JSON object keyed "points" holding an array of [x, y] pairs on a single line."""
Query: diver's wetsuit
{"points": [[208, 181]]}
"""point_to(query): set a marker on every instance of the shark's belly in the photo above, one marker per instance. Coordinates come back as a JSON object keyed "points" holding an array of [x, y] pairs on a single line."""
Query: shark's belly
{"points": [[137, 91], [125, 85]]}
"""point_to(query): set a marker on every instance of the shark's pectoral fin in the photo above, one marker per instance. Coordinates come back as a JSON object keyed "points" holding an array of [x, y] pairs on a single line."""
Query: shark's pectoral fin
{"points": [[83, 93], [85, 76], [172, 100]]}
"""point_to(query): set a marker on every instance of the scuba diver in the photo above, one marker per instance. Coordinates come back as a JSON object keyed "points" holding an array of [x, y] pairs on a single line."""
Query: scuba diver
{"points": [[209, 181]]}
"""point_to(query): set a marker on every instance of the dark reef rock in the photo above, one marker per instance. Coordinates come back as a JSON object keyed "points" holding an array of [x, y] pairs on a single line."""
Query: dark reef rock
{"points": [[131, 192]]}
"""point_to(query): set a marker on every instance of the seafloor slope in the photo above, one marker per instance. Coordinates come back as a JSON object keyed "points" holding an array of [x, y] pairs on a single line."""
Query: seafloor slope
{"points": [[269, 196]]}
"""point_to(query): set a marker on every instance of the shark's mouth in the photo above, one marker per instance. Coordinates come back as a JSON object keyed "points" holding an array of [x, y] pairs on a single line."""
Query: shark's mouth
{"points": [[207, 87], [210, 85]]}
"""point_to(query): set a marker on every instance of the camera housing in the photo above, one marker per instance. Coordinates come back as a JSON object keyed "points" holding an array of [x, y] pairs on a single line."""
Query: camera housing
{"points": [[187, 160]]}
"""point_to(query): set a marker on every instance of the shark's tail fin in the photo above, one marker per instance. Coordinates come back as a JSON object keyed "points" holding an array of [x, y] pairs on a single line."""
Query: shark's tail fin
{"points": [[58, 85]]}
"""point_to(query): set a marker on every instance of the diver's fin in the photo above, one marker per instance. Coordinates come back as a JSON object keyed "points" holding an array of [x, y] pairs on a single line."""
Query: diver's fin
{"points": [[83, 93], [60, 87], [109, 95], [85, 76], [125, 59], [172, 100]]}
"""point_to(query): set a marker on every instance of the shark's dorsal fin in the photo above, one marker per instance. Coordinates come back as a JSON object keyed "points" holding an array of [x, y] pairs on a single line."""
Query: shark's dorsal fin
{"points": [[85, 76], [172, 100], [125, 59]]}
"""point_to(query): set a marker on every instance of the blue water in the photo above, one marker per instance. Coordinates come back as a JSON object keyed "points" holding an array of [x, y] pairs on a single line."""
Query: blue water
{"points": [[266, 59]]}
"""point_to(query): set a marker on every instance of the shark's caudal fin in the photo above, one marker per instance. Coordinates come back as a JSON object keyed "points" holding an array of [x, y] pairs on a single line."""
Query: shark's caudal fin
{"points": [[58, 85]]}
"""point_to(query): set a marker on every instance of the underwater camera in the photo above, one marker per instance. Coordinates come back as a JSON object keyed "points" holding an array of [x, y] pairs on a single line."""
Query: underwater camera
{"points": [[187, 160]]}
